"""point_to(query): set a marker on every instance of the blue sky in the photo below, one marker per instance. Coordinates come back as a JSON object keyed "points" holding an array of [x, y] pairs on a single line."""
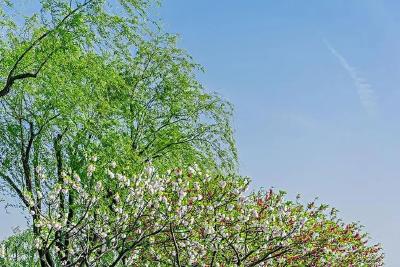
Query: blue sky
{"points": [[316, 93]]}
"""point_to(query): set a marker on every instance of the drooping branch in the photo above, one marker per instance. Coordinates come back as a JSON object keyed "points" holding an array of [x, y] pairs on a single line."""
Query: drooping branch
{"points": [[12, 78], [154, 134], [15, 187]]}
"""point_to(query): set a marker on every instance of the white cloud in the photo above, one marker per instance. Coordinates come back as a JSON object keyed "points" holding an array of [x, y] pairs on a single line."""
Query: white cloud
{"points": [[365, 92]]}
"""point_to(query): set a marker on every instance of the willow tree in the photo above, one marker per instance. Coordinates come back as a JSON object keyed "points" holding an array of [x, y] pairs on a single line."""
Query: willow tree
{"points": [[92, 93], [98, 69], [98, 77]]}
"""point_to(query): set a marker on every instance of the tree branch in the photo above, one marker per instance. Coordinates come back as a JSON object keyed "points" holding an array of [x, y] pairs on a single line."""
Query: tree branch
{"points": [[15, 187], [11, 78], [175, 245]]}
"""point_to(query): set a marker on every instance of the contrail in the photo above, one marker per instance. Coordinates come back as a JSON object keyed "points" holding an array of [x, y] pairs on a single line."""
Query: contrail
{"points": [[365, 92]]}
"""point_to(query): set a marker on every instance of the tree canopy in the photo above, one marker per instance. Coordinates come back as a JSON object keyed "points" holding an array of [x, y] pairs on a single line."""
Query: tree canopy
{"points": [[119, 156], [187, 217]]}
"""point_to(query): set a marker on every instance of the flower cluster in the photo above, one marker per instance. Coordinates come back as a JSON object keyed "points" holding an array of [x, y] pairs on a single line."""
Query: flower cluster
{"points": [[188, 217]]}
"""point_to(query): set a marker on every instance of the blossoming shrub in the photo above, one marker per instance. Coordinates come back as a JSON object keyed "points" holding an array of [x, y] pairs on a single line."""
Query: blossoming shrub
{"points": [[188, 218]]}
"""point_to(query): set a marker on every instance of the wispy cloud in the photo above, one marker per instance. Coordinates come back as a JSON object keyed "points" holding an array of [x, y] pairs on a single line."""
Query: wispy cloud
{"points": [[365, 92]]}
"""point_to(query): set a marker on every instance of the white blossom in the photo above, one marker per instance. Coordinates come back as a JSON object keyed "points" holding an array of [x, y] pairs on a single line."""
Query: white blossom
{"points": [[111, 174]]}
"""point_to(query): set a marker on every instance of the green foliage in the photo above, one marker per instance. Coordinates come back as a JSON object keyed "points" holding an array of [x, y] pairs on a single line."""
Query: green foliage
{"points": [[18, 250], [102, 81], [96, 77], [96, 103], [187, 217]]}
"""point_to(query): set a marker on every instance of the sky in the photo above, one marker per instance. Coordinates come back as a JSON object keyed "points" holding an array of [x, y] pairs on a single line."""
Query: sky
{"points": [[316, 93]]}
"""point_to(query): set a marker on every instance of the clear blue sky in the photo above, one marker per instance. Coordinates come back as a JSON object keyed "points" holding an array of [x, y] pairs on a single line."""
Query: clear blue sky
{"points": [[317, 99], [316, 93]]}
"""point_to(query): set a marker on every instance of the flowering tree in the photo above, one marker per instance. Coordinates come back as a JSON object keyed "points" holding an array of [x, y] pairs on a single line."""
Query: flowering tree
{"points": [[84, 78], [189, 218]]}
